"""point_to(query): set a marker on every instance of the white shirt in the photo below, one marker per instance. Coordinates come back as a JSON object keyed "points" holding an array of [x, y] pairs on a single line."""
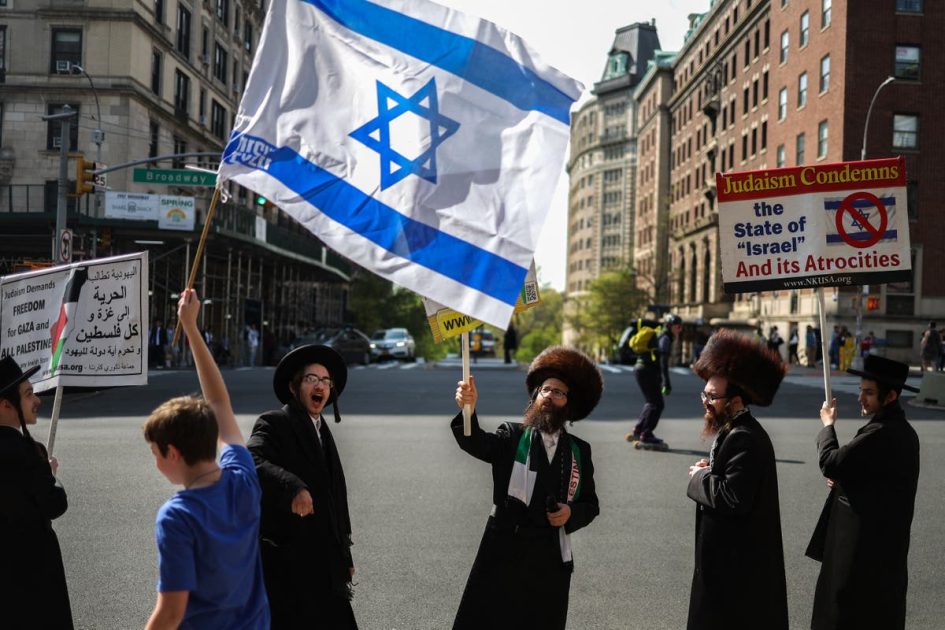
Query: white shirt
{"points": [[550, 441], [318, 427]]}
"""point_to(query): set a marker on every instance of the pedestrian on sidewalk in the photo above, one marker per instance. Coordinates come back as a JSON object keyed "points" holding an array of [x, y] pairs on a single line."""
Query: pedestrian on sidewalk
{"points": [[33, 590], [930, 348], [510, 342], [793, 342], [543, 491], [812, 348], [738, 582], [862, 537], [652, 374]]}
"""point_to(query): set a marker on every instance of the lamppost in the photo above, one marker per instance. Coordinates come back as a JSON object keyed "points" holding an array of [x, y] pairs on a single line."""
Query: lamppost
{"points": [[857, 363], [98, 136]]}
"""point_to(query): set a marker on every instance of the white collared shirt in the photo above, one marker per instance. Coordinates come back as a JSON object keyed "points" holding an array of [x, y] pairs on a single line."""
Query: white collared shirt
{"points": [[318, 426], [550, 441]]}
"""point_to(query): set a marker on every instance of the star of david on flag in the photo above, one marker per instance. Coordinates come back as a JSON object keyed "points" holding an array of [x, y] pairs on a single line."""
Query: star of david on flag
{"points": [[421, 143]]}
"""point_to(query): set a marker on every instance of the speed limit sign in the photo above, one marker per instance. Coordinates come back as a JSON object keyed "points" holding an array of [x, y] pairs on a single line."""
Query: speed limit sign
{"points": [[65, 246]]}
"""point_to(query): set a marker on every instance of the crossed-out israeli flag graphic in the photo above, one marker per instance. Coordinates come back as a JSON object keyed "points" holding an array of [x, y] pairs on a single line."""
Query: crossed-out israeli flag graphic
{"points": [[863, 225], [421, 143]]}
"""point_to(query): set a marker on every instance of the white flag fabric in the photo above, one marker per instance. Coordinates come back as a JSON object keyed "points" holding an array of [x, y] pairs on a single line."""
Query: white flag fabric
{"points": [[421, 143]]}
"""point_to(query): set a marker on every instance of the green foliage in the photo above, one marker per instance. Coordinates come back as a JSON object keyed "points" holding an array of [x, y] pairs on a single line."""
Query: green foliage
{"points": [[600, 315], [539, 327]]}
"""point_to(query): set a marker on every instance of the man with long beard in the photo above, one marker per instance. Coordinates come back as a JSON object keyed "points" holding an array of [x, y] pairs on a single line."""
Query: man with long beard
{"points": [[738, 582], [543, 491]]}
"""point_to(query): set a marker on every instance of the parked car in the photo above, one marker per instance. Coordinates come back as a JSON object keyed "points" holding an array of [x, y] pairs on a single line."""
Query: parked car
{"points": [[482, 343], [352, 344], [393, 343]]}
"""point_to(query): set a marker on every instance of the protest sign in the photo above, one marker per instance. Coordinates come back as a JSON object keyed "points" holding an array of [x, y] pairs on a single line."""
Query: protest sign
{"points": [[812, 226], [85, 324]]}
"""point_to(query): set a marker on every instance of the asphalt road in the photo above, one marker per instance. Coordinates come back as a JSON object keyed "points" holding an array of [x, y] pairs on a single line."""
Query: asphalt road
{"points": [[419, 504]]}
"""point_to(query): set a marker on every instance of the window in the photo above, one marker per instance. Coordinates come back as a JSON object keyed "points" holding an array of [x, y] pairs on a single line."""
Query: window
{"points": [[747, 52], [754, 141], [780, 156], [205, 44], [183, 31], [909, 6], [825, 13], [805, 29], [3, 52], [156, 72], [782, 104], [908, 62], [802, 90], [764, 86], [155, 132], [905, 131], [248, 36], [66, 50], [744, 147], [767, 33], [825, 73], [217, 120], [822, 139], [202, 106], [785, 42], [54, 127], [745, 103], [219, 63], [181, 93], [764, 135], [799, 149], [180, 146], [159, 11], [223, 10], [754, 93]]}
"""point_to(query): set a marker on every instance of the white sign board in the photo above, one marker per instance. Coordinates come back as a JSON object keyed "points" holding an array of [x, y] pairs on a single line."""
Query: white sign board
{"points": [[811, 226], [134, 206], [261, 229], [85, 324], [176, 213]]}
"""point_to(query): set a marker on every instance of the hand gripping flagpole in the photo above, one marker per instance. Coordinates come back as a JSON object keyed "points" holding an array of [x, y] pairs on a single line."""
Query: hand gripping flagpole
{"points": [[467, 409], [203, 239]]}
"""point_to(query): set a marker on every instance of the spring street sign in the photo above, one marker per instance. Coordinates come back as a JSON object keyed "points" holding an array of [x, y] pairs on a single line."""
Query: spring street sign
{"points": [[174, 177]]}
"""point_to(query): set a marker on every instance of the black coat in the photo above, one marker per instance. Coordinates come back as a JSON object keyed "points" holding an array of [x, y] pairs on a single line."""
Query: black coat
{"points": [[519, 559], [306, 561], [863, 533], [33, 592], [738, 581]]}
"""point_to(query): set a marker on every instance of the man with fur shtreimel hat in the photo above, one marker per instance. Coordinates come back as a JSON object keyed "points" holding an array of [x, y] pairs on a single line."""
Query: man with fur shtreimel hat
{"points": [[543, 491], [738, 582]]}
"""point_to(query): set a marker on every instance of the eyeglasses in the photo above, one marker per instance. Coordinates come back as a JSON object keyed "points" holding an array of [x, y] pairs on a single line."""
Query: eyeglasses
{"points": [[315, 379], [706, 397], [553, 392]]}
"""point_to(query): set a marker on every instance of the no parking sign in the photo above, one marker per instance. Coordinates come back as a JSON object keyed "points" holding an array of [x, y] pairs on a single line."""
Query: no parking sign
{"points": [[809, 226]]}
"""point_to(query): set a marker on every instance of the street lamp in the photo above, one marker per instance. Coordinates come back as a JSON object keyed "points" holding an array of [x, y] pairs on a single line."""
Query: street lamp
{"points": [[857, 363], [98, 136]]}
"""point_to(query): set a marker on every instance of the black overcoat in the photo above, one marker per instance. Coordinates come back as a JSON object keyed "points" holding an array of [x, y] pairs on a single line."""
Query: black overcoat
{"points": [[863, 533], [519, 559], [306, 561], [33, 592], [738, 582]]}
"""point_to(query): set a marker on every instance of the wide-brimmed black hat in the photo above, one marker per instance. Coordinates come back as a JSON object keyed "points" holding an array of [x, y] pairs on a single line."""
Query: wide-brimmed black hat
{"points": [[306, 355], [11, 375], [575, 368], [885, 372]]}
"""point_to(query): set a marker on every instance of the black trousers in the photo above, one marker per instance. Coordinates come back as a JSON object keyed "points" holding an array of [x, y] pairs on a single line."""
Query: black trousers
{"points": [[650, 382]]}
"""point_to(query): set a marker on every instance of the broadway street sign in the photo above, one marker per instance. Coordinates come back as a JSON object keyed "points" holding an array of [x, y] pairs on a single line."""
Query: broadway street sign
{"points": [[174, 177]]}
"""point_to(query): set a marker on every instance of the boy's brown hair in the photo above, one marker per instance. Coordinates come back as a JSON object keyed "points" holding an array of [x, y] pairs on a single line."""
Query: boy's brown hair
{"points": [[189, 424]]}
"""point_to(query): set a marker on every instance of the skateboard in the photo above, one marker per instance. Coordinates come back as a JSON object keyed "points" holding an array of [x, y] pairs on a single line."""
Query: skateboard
{"points": [[640, 444]]}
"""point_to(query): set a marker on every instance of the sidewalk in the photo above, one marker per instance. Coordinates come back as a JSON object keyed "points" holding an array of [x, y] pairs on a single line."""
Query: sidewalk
{"points": [[850, 384], [454, 361]]}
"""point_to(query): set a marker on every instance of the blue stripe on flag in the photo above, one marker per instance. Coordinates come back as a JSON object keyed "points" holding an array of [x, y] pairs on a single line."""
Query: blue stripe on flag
{"points": [[859, 203], [405, 237], [465, 57], [862, 236]]}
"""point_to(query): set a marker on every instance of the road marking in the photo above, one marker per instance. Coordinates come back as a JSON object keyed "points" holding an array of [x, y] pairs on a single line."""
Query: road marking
{"points": [[609, 368]]}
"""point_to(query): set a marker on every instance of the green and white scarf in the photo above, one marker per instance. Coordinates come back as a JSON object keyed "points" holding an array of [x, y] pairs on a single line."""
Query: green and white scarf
{"points": [[522, 481]]}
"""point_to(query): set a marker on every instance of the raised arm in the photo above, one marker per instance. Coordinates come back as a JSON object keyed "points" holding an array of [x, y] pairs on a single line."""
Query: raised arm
{"points": [[211, 381]]}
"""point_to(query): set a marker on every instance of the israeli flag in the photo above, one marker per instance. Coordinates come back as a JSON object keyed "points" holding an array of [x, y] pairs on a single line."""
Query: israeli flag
{"points": [[421, 143]]}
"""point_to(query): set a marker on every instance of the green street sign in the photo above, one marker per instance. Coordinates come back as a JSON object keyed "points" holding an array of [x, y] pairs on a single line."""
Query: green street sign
{"points": [[174, 177]]}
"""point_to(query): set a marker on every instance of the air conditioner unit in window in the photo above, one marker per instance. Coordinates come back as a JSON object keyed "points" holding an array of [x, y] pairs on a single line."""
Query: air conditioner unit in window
{"points": [[203, 121], [63, 67], [205, 58]]}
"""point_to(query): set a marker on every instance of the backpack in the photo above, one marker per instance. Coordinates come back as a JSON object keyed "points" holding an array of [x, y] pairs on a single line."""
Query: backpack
{"points": [[644, 339]]}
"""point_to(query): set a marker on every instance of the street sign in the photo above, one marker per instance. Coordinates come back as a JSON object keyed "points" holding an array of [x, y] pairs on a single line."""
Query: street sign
{"points": [[65, 246], [174, 177]]}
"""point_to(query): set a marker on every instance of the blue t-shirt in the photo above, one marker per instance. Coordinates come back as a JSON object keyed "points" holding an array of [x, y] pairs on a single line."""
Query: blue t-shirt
{"points": [[208, 544]]}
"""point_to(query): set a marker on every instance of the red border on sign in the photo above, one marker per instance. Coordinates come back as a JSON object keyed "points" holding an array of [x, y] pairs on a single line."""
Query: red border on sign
{"points": [[847, 206]]}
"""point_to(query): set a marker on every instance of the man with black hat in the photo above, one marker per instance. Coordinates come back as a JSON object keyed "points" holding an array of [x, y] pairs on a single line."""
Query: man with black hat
{"points": [[305, 528], [543, 491], [33, 591], [862, 537], [738, 582]]}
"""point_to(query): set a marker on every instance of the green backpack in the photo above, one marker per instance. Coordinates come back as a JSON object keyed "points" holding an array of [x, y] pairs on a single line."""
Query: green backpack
{"points": [[644, 339]]}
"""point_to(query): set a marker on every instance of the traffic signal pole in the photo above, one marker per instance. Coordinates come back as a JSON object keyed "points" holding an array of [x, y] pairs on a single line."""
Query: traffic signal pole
{"points": [[65, 118]]}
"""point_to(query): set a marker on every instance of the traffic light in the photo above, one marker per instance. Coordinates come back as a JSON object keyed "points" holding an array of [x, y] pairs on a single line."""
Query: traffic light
{"points": [[105, 240], [84, 176], [872, 303], [261, 201]]}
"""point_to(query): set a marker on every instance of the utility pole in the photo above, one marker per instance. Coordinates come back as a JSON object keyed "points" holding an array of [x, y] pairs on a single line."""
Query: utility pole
{"points": [[65, 118]]}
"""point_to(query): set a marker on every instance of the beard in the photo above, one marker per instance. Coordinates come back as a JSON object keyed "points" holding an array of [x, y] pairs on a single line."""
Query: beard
{"points": [[546, 417], [715, 421]]}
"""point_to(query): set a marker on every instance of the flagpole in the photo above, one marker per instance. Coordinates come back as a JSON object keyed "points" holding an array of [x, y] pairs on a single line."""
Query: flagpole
{"points": [[467, 409], [197, 256], [823, 345], [57, 403]]}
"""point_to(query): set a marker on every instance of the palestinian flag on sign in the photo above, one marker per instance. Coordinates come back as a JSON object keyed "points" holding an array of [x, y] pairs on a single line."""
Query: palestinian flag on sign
{"points": [[64, 326]]}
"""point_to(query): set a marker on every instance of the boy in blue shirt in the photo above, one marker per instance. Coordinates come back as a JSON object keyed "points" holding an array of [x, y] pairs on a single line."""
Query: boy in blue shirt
{"points": [[210, 575]]}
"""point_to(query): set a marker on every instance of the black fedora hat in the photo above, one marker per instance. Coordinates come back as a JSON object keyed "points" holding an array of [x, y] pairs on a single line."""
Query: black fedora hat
{"points": [[885, 371], [306, 355], [11, 374]]}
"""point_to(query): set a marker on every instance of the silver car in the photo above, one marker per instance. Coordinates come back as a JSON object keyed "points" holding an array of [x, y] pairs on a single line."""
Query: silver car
{"points": [[393, 343]]}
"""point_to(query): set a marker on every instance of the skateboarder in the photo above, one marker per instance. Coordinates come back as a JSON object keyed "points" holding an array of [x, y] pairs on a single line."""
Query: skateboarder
{"points": [[652, 373]]}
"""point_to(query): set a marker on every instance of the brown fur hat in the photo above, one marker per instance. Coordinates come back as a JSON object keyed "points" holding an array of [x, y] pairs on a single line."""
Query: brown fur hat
{"points": [[575, 368], [743, 361]]}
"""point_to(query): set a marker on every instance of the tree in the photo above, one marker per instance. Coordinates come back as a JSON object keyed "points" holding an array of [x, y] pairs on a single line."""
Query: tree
{"points": [[539, 327], [599, 317]]}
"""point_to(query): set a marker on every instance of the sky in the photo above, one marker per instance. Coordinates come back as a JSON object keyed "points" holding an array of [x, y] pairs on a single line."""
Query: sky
{"points": [[575, 38]]}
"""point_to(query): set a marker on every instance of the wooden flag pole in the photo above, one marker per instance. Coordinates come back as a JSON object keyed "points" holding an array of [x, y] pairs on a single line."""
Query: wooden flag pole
{"points": [[197, 256], [828, 392], [57, 404], [467, 409]]}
